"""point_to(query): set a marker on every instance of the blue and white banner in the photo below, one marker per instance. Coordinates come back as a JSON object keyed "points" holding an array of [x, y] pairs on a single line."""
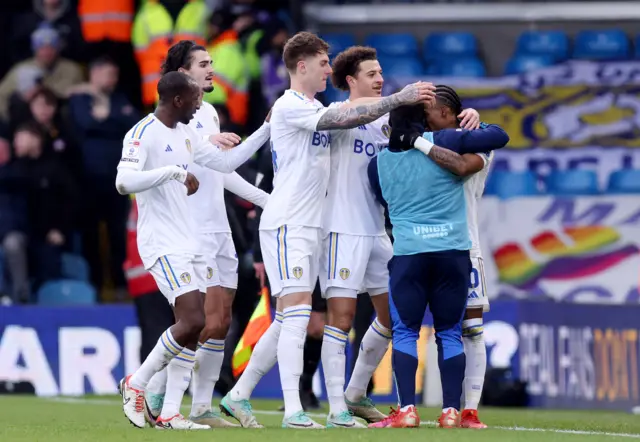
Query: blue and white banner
{"points": [[579, 114], [573, 356]]}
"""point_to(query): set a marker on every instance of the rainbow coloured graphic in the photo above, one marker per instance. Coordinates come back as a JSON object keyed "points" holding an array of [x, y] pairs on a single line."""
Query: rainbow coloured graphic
{"points": [[591, 250]]}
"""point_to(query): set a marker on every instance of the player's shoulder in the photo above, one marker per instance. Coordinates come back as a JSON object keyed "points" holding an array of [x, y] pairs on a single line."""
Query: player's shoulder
{"points": [[143, 129], [294, 100], [208, 109]]}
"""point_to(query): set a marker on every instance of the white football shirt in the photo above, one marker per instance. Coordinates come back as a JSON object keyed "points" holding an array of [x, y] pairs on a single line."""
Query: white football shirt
{"points": [[301, 162], [473, 190], [351, 206], [207, 204], [165, 224]]}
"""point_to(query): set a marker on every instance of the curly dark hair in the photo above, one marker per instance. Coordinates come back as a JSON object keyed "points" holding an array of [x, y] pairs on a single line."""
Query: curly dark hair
{"points": [[180, 55], [447, 96], [348, 63]]}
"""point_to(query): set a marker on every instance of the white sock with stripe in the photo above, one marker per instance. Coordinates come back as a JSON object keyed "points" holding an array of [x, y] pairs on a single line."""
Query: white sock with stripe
{"points": [[263, 358], [476, 356], [209, 358], [178, 378], [164, 351], [158, 383], [291, 355], [334, 366], [372, 349]]}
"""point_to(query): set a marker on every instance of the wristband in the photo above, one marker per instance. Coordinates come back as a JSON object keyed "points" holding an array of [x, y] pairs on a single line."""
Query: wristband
{"points": [[423, 145]]}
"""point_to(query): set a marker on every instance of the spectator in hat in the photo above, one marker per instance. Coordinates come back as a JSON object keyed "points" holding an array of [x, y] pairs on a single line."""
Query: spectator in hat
{"points": [[58, 14], [45, 68]]}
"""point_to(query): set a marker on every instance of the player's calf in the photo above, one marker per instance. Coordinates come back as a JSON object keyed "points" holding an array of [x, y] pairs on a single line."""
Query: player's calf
{"points": [[476, 366]]}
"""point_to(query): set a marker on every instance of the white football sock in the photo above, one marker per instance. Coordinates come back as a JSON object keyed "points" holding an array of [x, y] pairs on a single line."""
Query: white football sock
{"points": [[372, 349], [476, 355], [165, 350], [291, 355], [334, 364], [263, 358], [178, 377], [209, 357], [158, 383]]}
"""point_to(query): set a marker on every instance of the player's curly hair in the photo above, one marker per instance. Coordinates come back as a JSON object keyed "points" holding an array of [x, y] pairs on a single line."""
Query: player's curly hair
{"points": [[302, 45], [180, 55], [447, 96], [348, 63]]}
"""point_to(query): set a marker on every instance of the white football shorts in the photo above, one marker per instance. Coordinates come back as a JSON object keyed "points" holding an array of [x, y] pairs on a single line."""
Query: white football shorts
{"points": [[477, 297], [177, 274], [355, 262], [291, 258], [221, 259]]}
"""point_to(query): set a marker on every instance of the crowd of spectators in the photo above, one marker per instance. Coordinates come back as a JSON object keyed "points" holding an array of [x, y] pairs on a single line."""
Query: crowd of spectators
{"points": [[65, 105]]}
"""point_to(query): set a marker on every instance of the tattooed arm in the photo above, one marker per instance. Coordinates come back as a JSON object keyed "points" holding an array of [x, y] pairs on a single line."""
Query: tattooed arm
{"points": [[357, 114], [461, 165]]}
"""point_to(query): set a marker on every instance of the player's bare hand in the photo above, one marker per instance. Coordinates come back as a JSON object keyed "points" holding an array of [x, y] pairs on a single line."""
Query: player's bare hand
{"points": [[225, 140], [420, 91], [192, 184], [55, 237], [260, 272], [469, 119]]}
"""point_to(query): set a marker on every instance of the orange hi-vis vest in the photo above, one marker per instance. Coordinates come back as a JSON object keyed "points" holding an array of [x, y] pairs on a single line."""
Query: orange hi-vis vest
{"points": [[151, 39], [106, 20], [139, 280]]}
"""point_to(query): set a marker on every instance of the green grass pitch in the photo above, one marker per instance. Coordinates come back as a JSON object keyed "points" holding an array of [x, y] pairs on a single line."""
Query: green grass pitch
{"points": [[101, 419]]}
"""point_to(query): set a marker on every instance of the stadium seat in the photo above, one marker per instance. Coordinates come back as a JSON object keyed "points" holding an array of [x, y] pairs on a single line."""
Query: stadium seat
{"points": [[75, 267], [448, 44], [393, 45], [611, 44], [506, 184], [525, 63], [402, 67], [463, 67], [572, 182], [551, 43], [66, 292], [624, 181], [338, 42]]}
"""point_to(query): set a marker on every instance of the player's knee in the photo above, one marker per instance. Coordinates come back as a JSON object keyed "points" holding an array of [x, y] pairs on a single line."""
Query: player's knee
{"points": [[315, 328], [194, 323], [341, 320], [472, 327], [449, 342]]}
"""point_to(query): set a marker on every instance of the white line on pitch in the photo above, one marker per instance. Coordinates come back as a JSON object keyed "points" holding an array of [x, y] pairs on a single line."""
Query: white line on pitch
{"points": [[73, 400]]}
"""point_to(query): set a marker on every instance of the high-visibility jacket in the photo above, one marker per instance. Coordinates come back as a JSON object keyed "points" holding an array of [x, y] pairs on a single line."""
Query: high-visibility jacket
{"points": [[139, 280], [106, 20], [230, 76], [151, 38], [251, 54], [192, 22]]}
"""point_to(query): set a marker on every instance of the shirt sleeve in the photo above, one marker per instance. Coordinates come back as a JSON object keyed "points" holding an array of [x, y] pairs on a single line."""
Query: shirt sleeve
{"points": [[374, 181], [303, 115], [489, 137], [234, 183], [228, 160], [131, 178]]}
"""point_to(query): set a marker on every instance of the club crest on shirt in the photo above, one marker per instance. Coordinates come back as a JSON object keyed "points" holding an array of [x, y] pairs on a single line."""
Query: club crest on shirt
{"points": [[345, 273], [386, 130], [297, 272], [187, 143], [209, 273], [185, 277]]}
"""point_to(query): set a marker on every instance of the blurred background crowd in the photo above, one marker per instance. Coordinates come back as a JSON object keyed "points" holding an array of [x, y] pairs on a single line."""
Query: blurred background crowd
{"points": [[75, 77]]}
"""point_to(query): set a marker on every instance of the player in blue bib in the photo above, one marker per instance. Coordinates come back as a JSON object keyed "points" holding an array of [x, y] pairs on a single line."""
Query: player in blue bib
{"points": [[420, 179]]}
